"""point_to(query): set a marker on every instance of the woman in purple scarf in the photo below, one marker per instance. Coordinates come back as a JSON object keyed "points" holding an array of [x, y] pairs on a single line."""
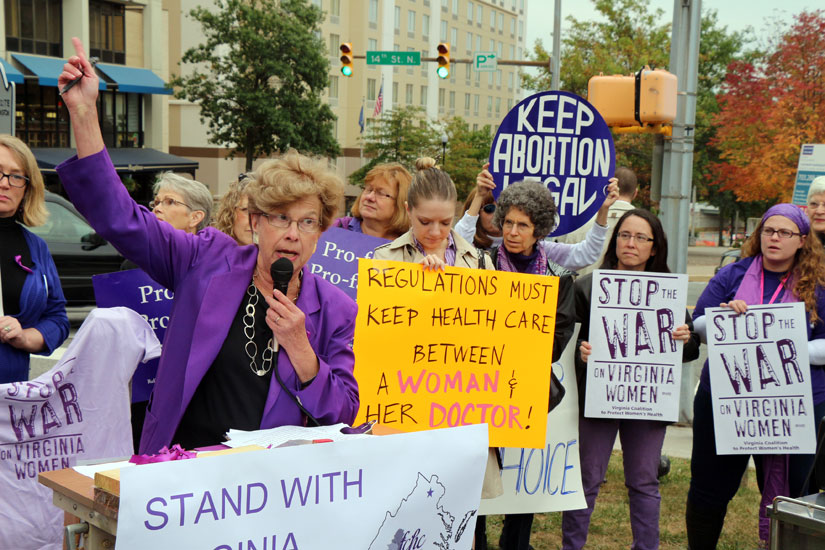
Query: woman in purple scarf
{"points": [[781, 263]]}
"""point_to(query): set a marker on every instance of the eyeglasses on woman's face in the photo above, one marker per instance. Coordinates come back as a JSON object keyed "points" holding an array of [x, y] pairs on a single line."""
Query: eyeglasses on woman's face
{"points": [[378, 193], [168, 202], [640, 239], [15, 180], [282, 221], [769, 232]]}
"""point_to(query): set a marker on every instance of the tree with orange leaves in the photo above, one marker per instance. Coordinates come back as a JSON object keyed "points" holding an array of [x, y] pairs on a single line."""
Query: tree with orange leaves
{"points": [[770, 107]]}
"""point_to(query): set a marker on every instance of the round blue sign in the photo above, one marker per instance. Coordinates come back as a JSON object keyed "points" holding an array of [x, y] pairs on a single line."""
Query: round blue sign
{"points": [[560, 140]]}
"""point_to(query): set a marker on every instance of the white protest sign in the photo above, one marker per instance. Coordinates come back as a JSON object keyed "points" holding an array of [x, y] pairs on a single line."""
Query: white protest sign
{"points": [[635, 370], [547, 479], [760, 380], [401, 491], [811, 165]]}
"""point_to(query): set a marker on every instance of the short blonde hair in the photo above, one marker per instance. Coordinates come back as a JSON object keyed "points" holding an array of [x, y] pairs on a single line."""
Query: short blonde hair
{"points": [[394, 174], [224, 220], [32, 211], [292, 177]]}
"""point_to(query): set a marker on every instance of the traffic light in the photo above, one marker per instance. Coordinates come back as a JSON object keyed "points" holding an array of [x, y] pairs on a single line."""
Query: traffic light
{"points": [[346, 58], [648, 97], [443, 70]]}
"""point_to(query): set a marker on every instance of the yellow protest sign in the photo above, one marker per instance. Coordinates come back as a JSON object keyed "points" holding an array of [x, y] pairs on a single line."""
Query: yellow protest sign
{"points": [[455, 347]]}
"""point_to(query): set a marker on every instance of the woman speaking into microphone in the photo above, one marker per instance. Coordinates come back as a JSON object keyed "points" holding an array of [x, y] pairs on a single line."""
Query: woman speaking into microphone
{"points": [[238, 353]]}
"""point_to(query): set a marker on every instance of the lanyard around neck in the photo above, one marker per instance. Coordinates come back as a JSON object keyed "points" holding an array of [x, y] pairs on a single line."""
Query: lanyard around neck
{"points": [[775, 292]]}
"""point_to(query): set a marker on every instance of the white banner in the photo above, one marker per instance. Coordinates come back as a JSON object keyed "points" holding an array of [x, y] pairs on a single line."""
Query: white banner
{"points": [[418, 490], [635, 370], [547, 479], [760, 380]]}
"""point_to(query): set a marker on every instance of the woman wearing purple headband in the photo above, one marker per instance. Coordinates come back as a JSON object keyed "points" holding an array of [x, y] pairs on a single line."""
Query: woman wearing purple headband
{"points": [[780, 264]]}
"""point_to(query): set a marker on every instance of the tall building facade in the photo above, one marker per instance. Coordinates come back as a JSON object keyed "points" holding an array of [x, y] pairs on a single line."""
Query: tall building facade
{"points": [[140, 44], [481, 98]]}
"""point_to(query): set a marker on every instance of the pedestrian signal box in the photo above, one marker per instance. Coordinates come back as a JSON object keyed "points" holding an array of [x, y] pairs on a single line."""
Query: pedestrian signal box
{"points": [[648, 97], [346, 58]]}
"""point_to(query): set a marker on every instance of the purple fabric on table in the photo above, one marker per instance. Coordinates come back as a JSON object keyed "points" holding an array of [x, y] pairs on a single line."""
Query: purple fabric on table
{"points": [[792, 212], [641, 448], [209, 274]]}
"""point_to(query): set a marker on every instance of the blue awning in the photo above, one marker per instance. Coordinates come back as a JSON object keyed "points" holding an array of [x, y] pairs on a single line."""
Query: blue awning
{"points": [[126, 159], [46, 69], [11, 72], [134, 80]]}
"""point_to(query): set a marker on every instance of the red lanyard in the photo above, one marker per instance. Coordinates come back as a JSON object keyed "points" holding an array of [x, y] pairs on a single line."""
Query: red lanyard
{"points": [[775, 292]]}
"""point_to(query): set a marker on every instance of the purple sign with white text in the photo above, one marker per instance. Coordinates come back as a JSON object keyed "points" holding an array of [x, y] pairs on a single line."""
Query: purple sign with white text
{"points": [[139, 292], [560, 140], [336, 257]]}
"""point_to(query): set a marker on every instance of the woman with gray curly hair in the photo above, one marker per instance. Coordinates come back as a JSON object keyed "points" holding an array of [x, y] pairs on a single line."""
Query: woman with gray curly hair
{"points": [[526, 214]]}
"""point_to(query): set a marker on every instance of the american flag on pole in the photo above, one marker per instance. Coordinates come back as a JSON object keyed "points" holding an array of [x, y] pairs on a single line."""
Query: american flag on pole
{"points": [[379, 102]]}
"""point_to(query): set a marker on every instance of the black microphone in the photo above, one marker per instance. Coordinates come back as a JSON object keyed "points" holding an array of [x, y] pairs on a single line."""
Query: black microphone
{"points": [[281, 273]]}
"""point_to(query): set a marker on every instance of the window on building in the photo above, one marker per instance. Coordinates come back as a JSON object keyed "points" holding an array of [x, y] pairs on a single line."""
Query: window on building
{"points": [[318, 3], [373, 11], [512, 25], [478, 42], [520, 29], [409, 94], [498, 77], [411, 21], [475, 104], [480, 14], [425, 25], [453, 38], [423, 96], [501, 22], [34, 26], [443, 35], [452, 100], [455, 7], [395, 93], [372, 44], [397, 18], [335, 7], [498, 105], [107, 31], [121, 119], [334, 44], [510, 78], [370, 89], [512, 51], [492, 19], [441, 97], [489, 105], [41, 120], [333, 87], [470, 8], [466, 102], [469, 41]]}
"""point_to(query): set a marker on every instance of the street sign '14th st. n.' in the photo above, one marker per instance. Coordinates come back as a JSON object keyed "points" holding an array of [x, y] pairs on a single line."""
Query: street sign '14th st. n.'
{"points": [[393, 58]]}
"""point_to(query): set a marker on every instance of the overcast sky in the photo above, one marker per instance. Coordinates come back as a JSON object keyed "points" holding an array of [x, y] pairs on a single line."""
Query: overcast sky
{"points": [[735, 14]]}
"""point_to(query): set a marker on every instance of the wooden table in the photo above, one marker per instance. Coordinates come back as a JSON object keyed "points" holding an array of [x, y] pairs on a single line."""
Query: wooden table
{"points": [[75, 494]]}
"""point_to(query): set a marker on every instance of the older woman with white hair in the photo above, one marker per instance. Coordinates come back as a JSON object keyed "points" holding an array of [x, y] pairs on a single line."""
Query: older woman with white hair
{"points": [[183, 203], [816, 207]]}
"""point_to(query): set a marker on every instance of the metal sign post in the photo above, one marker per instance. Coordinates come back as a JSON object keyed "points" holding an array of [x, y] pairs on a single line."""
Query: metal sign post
{"points": [[7, 110]]}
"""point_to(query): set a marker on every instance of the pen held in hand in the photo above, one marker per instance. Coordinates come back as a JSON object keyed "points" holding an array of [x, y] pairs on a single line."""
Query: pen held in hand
{"points": [[70, 85]]}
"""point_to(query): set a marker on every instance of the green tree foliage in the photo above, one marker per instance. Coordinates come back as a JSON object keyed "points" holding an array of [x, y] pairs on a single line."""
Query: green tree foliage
{"points": [[628, 37], [400, 135], [259, 76], [467, 151]]}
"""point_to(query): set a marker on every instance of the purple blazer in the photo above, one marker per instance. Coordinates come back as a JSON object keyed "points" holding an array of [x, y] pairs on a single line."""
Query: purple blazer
{"points": [[209, 274]]}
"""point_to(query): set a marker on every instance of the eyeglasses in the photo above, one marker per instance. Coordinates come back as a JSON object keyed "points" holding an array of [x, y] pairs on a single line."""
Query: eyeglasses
{"points": [[489, 208], [521, 227], [768, 232], [168, 202], [378, 194], [15, 180], [641, 239], [282, 221]]}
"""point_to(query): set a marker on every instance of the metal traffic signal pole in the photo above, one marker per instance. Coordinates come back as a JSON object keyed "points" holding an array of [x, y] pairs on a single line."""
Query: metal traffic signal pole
{"points": [[677, 160]]}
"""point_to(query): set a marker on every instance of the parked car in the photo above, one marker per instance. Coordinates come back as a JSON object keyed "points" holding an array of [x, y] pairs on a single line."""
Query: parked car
{"points": [[77, 250], [728, 257]]}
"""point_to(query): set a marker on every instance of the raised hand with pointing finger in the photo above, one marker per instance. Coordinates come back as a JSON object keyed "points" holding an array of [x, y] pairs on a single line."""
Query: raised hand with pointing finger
{"points": [[81, 99]]}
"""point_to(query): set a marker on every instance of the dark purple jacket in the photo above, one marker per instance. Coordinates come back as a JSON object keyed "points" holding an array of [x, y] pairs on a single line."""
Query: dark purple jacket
{"points": [[209, 274]]}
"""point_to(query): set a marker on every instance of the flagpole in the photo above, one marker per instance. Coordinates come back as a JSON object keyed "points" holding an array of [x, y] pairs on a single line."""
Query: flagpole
{"points": [[361, 149]]}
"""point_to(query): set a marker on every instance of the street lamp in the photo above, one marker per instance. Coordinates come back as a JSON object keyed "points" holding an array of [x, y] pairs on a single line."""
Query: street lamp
{"points": [[444, 151]]}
